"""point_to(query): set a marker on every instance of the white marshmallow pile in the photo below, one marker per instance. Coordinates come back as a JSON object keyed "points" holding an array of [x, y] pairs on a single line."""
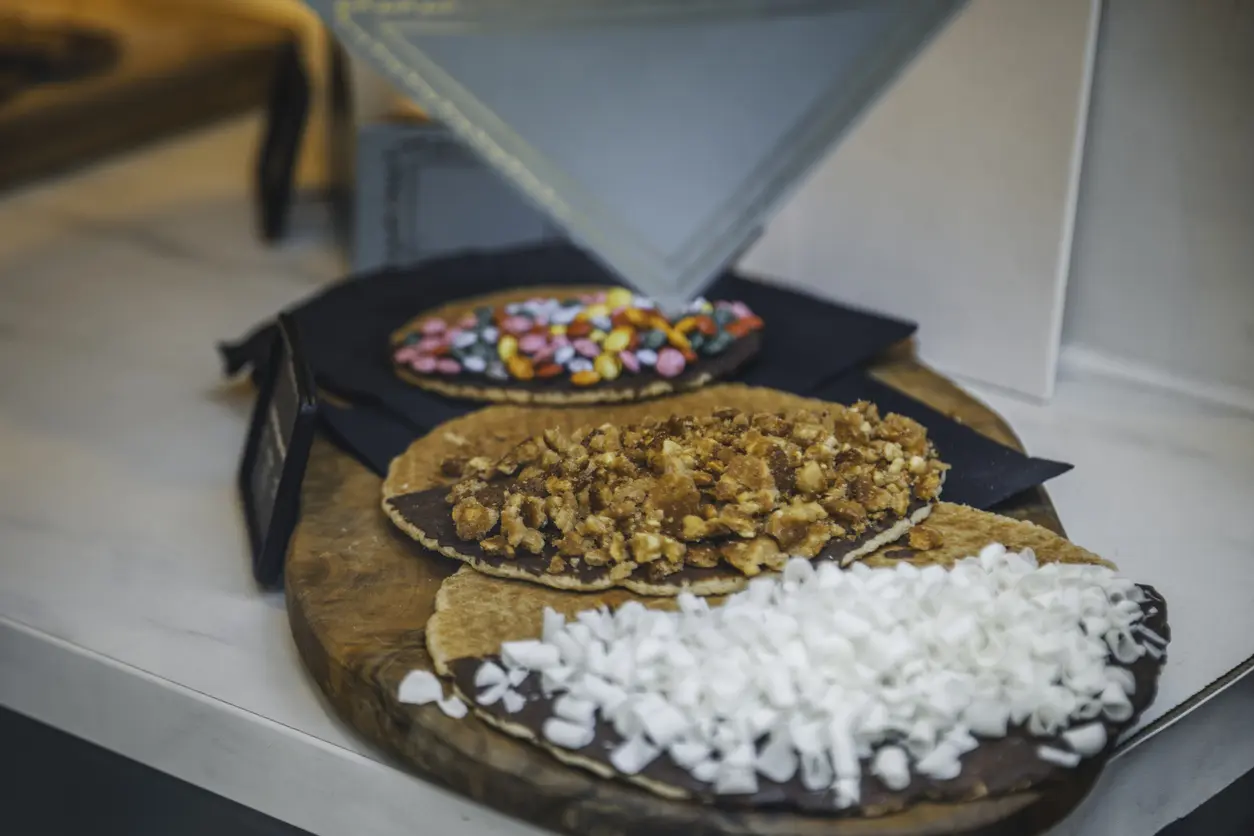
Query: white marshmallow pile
{"points": [[822, 672]]}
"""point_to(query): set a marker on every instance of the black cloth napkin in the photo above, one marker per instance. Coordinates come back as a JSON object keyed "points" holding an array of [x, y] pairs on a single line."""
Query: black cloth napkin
{"points": [[985, 473], [345, 329]]}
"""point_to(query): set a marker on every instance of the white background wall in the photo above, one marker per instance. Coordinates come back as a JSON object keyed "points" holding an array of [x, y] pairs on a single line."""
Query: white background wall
{"points": [[1162, 283], [950, 203]]}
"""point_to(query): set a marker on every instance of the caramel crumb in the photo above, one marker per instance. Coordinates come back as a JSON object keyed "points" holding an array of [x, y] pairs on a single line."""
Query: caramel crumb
{"points": [[923, 539]]}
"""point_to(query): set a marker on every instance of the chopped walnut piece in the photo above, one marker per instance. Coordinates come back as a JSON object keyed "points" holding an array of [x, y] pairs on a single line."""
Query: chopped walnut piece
{"points": [[532, 511], [699, 528], [790, 526], [646, 547], [749, 556], [659, 569], [473, 520], [924, 538], [844, 511], [810, 478], [703, 557], [496, 545], [556, 566]]}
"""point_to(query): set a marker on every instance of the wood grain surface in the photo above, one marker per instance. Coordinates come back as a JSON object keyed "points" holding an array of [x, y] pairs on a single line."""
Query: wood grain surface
{"points": [[359, 595]]}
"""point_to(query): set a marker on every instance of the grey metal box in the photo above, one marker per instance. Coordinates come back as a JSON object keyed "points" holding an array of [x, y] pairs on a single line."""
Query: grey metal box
{"points": [[419, 192]]}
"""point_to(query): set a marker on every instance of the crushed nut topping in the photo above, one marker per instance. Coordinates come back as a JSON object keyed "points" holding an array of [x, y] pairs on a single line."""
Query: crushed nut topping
{"points": [[924, 538], [745, 489]]}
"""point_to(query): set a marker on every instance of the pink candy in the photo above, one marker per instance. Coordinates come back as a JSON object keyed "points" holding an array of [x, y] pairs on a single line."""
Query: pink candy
{"points": [[433, 326], [629, 361], [516, 324], [590, 349], [447, 365], [560, 340], [428, 345], [532, 343], [741, 310], [669, 362], [404, 355], [423, 363], [468, 321]]}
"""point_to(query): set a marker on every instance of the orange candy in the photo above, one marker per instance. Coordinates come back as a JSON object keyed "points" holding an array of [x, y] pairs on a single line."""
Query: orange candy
{"points": [[520, 367], [579, 328], [585, 378], [678, 340], [706, 325], [548, 370], [741, 327]]}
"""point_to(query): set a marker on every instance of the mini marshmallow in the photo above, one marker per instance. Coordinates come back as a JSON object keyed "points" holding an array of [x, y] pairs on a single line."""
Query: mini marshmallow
{"points": [[453, 707], [580, 712], [1086, 741], [1058, 757], [492, 694], [513, 701], [633, 755], [530, 654], [489, 673], [566, 734], [892, 767], [419, 688]]}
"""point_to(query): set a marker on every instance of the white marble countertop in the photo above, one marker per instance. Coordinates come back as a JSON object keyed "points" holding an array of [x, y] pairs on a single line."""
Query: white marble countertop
{"points": [[127, 611]]}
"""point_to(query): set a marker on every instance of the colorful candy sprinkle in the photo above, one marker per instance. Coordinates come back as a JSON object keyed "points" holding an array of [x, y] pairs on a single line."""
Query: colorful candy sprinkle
{"points": [[619, 297], [447, 365], [647, 357], [516, 324], [629, 361], [580, 364], [433, 326], [507, 347], [549, 370], [532, 343], [564, 354], [520, 367], [618, 339], [587, 347], [585, 377], [464, 339], [475, 363], [425, 364], [670, 362], [607, 366]]}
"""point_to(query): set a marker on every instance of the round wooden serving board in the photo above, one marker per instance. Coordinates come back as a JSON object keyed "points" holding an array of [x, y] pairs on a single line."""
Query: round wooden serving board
{"points": [[359, 594]]}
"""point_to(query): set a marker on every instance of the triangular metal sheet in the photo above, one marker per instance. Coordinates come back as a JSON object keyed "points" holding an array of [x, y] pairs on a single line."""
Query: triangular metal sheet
{"points": [[659, 133]]}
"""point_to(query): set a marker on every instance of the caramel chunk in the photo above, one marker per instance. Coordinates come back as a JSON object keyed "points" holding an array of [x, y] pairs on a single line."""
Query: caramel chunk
{"points": [[473, 520], [923, 538]]}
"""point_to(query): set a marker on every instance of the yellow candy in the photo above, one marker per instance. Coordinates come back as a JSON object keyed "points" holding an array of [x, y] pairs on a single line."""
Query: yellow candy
{"points": [[618, 339], [585, 378], [607, 366], [619, 297], [557, 330], [593, 311], [597, 335], [507, 347]]}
